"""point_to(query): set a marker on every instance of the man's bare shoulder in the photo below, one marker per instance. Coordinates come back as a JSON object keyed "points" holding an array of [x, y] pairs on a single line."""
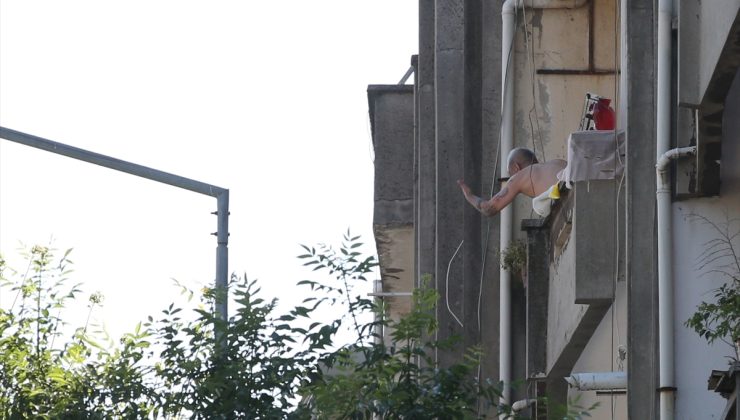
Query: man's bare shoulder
{"points": [[560, 163], [549, 166], [517, 181], [534, 179]]}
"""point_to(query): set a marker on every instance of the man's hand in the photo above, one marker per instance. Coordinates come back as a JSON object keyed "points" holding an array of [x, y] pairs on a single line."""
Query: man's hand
{"points": [[473, 199], [464, 187]]}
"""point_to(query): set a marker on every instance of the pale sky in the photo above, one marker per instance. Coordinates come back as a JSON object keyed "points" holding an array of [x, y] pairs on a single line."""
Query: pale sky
{"points": [[264, 98]]}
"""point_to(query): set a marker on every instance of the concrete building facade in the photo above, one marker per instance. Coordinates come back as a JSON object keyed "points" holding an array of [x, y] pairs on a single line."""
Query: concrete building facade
{"points": [[595, 268]]}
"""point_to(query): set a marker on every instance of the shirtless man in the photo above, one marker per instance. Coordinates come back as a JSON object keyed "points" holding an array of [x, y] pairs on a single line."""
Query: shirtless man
{"points": [[528, 177]]}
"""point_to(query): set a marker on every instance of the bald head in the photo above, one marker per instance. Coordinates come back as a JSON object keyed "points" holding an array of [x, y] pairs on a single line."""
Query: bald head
{"points": [[520, 158]]}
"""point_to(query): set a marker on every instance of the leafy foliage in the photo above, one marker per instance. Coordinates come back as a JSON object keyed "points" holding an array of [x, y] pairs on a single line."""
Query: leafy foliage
{"points": [[244, 369], [400, 379], [39, 379], [719, 319], [202, 367], [188, 363], [514, 258]]}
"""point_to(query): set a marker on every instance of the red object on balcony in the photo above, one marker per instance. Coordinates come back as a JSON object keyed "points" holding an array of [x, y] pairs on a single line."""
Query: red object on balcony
{"points": [[603, 114]]}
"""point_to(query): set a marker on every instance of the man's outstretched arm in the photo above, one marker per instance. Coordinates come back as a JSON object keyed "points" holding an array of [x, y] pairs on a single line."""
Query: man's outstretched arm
{"points": [[488, 207]]}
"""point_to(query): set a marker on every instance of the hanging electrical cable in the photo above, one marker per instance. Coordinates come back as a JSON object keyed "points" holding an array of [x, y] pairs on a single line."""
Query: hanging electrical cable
{"points": [[447, 284], [533, 80]]}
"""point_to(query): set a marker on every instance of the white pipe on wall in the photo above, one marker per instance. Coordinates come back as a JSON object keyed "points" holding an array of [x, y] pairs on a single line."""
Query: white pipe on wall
{"points": [[507, 214], [522, 405], [507, 144], [667, 384], [549, 4], [663, 172], [598, 381], [665, 280]]}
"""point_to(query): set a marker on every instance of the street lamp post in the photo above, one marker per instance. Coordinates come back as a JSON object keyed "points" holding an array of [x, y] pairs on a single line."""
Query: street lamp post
{"points": [[221, 195]]}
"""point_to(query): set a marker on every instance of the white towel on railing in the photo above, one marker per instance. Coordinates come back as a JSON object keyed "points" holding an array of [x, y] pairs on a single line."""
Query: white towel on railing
{"points": [[594, 154]]}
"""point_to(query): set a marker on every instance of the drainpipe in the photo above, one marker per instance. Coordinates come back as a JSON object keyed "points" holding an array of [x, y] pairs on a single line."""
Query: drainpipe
{"points": [[507, 214], [667, 383], [665, 277], [507, 144], [598, 381], [522, 405]]}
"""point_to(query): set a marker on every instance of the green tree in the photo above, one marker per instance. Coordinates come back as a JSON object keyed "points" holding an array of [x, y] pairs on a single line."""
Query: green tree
{"points": [[371, 378], [188, 363], [250, 367], [42, 375], [719, 319]]}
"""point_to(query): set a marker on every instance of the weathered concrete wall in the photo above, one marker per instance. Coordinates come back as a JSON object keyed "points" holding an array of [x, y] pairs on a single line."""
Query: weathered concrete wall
{"points": [[457, 139], [426, 206], [708, 56], [694, 358], [549, 101], [392, 124], [706, 25], [562, 55], [716, 20], [459, 83], [449, 85], [538, 293], [582, 271], [455, 112], [559, 41], [594, 213], [490, 232], [602, 355], [396, 255], [606, 36], [563, 314], [642, 286]]}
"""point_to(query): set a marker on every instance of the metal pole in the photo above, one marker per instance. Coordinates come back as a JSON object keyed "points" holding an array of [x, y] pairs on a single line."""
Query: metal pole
{"points": [[222, 255], [221, 195]]}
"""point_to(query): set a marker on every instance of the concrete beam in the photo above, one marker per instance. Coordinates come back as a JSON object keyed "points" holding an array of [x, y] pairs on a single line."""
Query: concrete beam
{"points": [[570, 325], [538, 286], [471, 168], [594, 240], [457, 88], [518, 340], [579, 337], [415, 168], [449, 68], [642, 306], [391, 110], [490, 130], [426, 197], [391, 118]]}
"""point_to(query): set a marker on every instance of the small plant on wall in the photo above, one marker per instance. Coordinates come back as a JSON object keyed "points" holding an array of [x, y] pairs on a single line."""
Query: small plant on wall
{"points": [[514, 258], [720, 319]]}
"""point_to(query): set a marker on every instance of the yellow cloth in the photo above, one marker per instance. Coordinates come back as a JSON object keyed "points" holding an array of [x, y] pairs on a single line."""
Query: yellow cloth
{"points": [[554, 192]]}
